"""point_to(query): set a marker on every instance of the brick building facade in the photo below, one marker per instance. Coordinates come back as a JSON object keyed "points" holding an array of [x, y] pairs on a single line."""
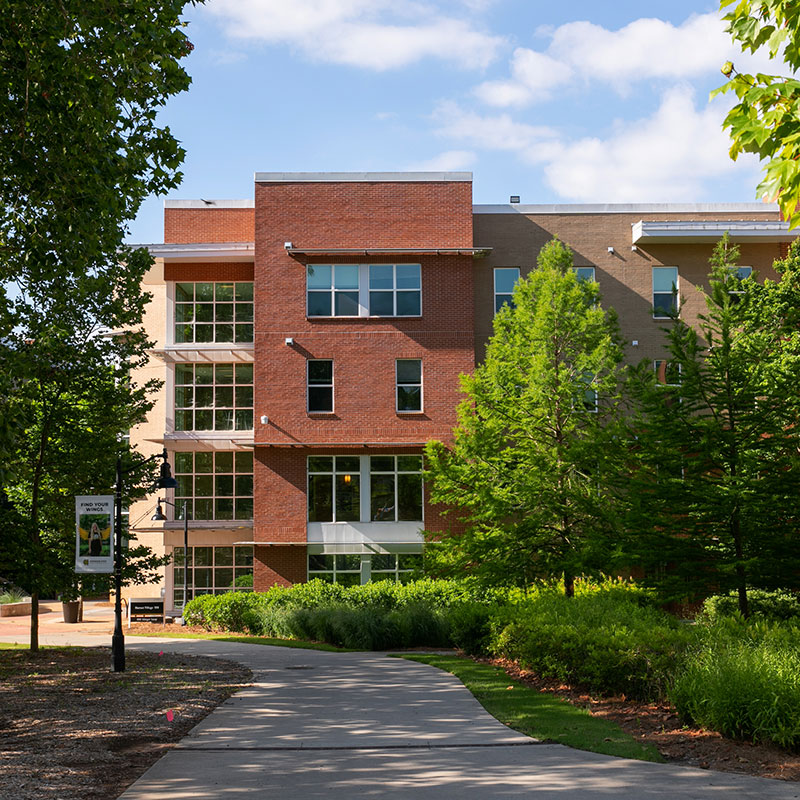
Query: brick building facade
{"points": [[310, 343]]}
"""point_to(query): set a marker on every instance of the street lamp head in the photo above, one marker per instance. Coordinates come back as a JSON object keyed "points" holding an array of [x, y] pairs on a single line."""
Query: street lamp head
{"points": [[166, 481], [159, 515]]}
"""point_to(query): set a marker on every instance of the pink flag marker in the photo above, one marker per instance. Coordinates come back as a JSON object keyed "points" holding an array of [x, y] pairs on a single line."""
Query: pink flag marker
{"points": [[170, 715]]}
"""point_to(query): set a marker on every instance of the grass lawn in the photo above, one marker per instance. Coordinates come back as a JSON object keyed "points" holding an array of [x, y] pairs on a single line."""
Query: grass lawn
{"points": [[538, 714], [226, 637]]}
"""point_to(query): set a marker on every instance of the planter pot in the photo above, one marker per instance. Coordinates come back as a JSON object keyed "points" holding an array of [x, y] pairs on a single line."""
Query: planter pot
{"points": [[22, 609], [72, 610]]}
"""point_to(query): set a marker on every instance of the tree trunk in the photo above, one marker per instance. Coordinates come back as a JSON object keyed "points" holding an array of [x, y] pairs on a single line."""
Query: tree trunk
{"points": [[34, 622], [569, 584]]}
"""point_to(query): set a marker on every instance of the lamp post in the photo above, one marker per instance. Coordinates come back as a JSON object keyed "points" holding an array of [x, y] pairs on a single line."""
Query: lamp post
{"points": [[160, 517], [165, 481]]}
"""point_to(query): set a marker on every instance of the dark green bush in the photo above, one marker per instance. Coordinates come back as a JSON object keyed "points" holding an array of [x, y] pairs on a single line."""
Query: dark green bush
{"points": [[470, 627], [609, 645], [777, 604], [743, 680]]}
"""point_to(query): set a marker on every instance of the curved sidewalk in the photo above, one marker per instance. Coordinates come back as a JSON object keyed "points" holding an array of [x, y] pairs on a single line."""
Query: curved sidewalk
{"points": [[345, 725]]}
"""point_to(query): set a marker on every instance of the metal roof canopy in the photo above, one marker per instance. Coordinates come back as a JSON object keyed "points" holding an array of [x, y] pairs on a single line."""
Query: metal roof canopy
{"points": [[708, 231], [476, 252]]}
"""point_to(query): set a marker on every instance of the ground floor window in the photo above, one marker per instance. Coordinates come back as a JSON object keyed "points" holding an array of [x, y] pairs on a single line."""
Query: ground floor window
{"points": [[211, 570], [352, 569]]}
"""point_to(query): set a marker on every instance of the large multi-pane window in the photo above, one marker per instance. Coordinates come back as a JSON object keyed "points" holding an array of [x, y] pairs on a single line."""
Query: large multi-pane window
{"points": [[216, 485], [392, 484], [349, 568], [362, 290], [665, 292], [395, 488], [211, 570], [408, 373], [213, 312], [334, 488], [505, 279], [320, 386], [214, 397]]}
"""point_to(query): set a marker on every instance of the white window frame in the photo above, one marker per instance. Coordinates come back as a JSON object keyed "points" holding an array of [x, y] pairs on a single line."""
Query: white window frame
{"points": [[674, 293], [213, 386], [310, 386], [656, 368], [363, 292], [497, 294], [193, 498], [175, 303], [395, 472], [735, 272], [365, 488], [576, 271]]}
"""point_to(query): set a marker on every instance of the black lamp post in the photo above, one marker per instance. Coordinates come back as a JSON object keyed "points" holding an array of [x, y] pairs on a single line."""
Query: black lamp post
{"points": [[159, 517], [165, 481]]}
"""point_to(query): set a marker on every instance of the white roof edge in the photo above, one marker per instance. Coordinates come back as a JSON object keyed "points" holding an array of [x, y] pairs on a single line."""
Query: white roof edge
{"points": [[210, 204], [627, 208], [360, 177]]}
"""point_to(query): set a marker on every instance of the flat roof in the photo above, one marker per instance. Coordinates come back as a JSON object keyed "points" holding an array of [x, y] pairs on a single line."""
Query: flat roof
{"points": [[202, 203], [705, 231], [627, 208], [360, 177]]}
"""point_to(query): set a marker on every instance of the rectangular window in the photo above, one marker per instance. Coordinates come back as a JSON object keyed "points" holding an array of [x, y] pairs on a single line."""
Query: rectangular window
{"points": [[363, 290], [505, 279], [665, 292], [346, 568], [394, 290], [409, 384], [667, 373], [216, 485], [211, 570], [395, 488], [391, 484], [584, 273], [320, 386], [334, 489], [214, 397], [738, 274], [213, 312]]}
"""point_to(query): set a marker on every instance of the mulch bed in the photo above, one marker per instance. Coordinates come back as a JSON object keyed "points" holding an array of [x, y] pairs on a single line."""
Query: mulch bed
{"points": [[658, 724], [71, 729]]}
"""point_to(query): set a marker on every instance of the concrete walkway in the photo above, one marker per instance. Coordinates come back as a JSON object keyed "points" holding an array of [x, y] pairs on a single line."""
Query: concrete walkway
{"points": [[346, 725]]}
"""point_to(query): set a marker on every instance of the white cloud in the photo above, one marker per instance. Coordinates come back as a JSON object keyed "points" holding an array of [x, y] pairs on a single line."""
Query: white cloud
{"points": [[646, 49], [449, 161], [373, 34], [666, 157]]}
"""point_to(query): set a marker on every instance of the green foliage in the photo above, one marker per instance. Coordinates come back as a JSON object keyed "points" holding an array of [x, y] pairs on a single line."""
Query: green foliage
{"points": [[715, 475], [743, 680], [607, 644], [764, 120], [13, 596], [775, 605], [526, 472]]}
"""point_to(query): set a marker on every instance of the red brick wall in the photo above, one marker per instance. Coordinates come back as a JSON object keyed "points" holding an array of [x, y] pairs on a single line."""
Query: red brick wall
{"points": [[183, 225], [349, 214], [217, 271], [281, 566]]}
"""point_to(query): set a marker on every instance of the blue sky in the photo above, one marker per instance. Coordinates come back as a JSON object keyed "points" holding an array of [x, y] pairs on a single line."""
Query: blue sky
{"points": [[555, 102]]}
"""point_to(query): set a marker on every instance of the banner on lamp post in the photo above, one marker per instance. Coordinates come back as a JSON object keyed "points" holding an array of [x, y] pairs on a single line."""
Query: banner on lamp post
{"points": [[94, 534]]}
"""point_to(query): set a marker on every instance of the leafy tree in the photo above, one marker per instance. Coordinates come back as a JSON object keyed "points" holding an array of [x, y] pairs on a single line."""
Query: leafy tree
{"points": [[715, 485], [535, 437], [764, 121], [81, 148]]}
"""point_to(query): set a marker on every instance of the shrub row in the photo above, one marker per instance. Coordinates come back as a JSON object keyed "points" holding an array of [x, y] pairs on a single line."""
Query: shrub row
{"points": [[739, 678]]}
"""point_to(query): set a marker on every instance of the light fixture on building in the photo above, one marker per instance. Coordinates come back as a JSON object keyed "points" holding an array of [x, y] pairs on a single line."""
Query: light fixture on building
{"points": [[264, 419], [634, 248], [288, 341], [635, 343], [611, 250], [514, 198], [288, 245]]}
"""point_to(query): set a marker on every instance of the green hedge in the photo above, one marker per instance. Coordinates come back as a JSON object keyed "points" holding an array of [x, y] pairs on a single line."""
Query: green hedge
{"points": [[776, 604], [743, 680]]}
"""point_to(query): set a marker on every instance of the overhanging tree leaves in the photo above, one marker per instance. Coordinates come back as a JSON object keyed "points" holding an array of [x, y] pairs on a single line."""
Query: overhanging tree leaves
{"points": [[765, 120], [80, 148], [535, 437], [714, 490]]}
